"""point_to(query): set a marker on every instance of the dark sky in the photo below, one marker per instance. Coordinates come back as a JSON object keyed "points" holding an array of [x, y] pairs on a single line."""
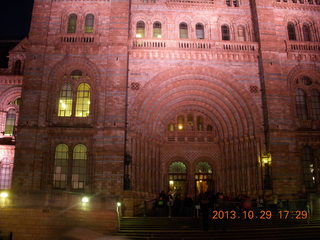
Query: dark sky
{"points": [[16, 14]]}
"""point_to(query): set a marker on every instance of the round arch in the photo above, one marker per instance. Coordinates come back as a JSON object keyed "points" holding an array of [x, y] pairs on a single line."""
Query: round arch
{"points": [[202, 88]]}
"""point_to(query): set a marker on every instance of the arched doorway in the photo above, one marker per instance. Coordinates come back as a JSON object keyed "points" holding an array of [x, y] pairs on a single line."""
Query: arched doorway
{"points": [[203, 178], [178, 178]]}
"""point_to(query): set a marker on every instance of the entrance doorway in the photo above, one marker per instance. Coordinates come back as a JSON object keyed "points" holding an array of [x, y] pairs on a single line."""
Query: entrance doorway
{"points": [[203, 178], [178, 179]]}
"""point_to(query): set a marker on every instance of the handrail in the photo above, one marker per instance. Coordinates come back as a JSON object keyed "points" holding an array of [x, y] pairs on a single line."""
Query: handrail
{"points": [[144, 205]]}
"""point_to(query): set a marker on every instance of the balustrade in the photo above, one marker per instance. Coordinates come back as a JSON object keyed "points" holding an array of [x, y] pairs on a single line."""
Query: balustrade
{"points": [[293, 46], [194, 45]]}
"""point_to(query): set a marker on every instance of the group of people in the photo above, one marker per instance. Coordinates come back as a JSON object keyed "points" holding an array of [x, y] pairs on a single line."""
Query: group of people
{"points": [[178, 205], [168, 205]]}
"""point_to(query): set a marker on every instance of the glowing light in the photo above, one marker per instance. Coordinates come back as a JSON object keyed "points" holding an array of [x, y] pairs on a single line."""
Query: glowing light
{"points": [[200, 181], [180, 126], [266, 158], [138, 35], [4, 195], [85, 200], [313, 178], [63, 105], [118, 204], [171, 182], [159, 36]]}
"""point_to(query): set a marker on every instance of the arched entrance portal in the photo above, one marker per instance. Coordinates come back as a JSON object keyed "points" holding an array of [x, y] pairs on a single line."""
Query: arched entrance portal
{"points": [[178, 178], [203, 178]]}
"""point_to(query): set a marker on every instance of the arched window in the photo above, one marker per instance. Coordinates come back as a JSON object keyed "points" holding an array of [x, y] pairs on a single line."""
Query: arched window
{"points": [[200, 31], [89, 23], [228, 2], [203, 167], [60, 175], [76, 74], [72, 23], [308, 167], [301, 104], [17, 67], [209, 128], [6, 167], [83, 100], [79, 167], [306, 32], [65, 101], [171, 127], [16, 102], [200, 123], [177, 167], [291, 31], [157, 33], [180, 122], [183, 30], [190, 119], [140, 31], [10, 122], [236, 3], [315, 104], [241, 33], [225, 32]]}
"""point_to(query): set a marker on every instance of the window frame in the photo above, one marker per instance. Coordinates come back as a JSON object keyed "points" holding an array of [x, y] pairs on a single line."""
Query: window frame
{"points": [[89, 28], [183, 30], [225, 35], [69, 168], [72, 27]]}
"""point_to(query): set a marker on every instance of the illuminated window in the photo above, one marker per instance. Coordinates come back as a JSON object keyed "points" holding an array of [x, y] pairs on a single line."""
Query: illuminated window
{"points": [[203, 167], [225, 32], [180, 122], [200, 123], [177, 167], [315, 104], [15, 102], [306, 32], [200, 31], [309, 167], [72, 23], [17, 67], [301, 104], [171, 127], [157, 30], [10, 122], [183, 30], [83, 100], [291, 31], [65, 101], [60, 176], [140, 31], [79, 167], [241, 33], [89, 23]]}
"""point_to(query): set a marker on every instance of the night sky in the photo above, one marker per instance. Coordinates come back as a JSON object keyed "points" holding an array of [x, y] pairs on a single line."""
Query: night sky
{"points": [[16, 14]]}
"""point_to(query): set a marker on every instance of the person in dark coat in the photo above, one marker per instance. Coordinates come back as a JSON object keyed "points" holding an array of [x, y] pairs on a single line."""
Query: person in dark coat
{"points": [[188, 206], [205, 209]]}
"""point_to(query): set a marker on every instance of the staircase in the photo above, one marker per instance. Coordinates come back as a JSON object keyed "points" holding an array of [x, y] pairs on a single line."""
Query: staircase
{"points": [[161, 228]]}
